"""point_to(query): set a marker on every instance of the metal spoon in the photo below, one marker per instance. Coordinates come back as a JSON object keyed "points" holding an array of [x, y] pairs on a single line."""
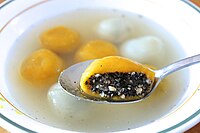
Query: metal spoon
{"points": [[69, 79]]}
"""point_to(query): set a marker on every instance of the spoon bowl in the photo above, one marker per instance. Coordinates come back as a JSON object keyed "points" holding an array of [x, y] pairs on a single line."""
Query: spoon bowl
{"points": [[69, 79]]}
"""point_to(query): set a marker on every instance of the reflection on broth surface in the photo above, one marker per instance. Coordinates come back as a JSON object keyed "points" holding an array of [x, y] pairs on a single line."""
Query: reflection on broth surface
{"points": [[48, 104]]}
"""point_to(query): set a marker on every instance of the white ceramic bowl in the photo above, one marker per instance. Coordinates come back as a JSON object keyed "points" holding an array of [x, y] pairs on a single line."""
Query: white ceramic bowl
{"points": [[180, 18]]}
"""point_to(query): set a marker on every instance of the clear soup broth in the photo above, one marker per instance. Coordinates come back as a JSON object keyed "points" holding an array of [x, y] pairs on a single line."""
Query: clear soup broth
{"points": [[86, 116]]}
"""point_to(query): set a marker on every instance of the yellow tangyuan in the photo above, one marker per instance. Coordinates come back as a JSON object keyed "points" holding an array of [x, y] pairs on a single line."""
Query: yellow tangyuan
{"points": [[42, 66], [112, 64], [95, 49], [60, 39]]}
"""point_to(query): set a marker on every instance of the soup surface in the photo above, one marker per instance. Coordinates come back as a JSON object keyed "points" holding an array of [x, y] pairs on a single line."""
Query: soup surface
{"points": [[86, 116]]}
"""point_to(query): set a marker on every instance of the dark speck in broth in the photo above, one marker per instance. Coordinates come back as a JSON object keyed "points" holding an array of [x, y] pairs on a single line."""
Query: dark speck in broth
{"points": [[140, 16]]}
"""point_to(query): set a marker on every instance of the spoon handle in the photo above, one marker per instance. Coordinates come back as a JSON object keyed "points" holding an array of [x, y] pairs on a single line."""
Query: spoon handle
{"points": [[162, 73]]}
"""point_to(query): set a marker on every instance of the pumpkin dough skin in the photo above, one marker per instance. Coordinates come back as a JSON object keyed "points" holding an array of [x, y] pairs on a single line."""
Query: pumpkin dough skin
{"points": [[41, 67], [95, 49], [112, 64], [60, 40]]}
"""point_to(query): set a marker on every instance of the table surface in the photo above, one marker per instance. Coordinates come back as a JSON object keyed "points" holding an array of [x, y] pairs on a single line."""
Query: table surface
{"points": [[195, 129]]}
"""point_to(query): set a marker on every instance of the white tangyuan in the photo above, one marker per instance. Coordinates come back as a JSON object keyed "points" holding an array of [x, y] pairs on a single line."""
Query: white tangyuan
{"points": [[115, 30], [63, 104], [148, 50]]}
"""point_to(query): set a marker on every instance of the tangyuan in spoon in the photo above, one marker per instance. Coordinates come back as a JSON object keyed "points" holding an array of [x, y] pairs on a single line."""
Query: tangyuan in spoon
{"points": [[116, 80]]}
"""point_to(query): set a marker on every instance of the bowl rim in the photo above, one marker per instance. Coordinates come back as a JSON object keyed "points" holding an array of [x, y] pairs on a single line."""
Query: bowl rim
{"points": [[191, 119]]}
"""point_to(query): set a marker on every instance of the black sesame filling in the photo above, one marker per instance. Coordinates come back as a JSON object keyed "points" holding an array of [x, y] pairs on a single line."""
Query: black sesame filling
{"points": [[120, 84]]}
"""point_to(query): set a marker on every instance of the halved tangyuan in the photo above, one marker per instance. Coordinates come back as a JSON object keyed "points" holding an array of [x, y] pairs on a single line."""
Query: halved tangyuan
{"points": [[117, 78]]}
